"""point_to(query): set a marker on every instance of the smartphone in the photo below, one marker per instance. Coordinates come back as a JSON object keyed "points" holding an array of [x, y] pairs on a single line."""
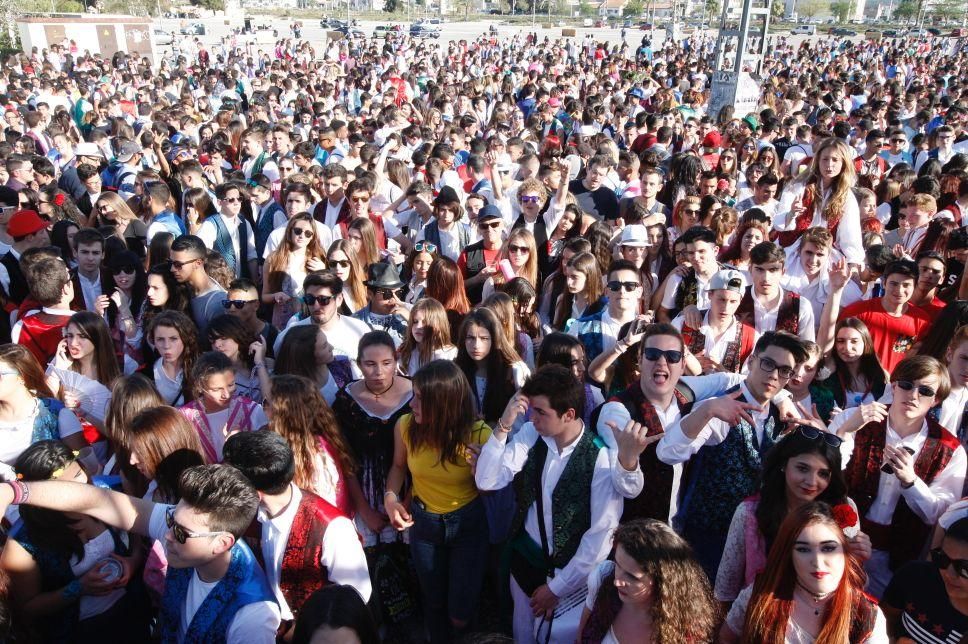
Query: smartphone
{"points": [[887, 468]]}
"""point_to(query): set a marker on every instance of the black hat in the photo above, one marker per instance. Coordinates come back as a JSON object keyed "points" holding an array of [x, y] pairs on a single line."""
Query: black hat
{"points": [[447, 195], [382, 275]]}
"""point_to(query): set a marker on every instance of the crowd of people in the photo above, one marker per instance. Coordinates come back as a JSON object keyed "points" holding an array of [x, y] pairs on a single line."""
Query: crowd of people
{"points": [[504, 338]]}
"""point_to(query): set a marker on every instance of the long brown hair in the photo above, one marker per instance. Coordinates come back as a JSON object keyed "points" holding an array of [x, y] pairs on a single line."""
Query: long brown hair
{"points": [[446, 285], [277, 265], [158, 432], [187, 332], [301, 416], [448, 412], [357, 271], [436, 336], [93, 327], [771, 604], [842, 186], [23, 362], [587, 265]]}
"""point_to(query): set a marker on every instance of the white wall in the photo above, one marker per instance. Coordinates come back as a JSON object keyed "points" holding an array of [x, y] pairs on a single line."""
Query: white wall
{"points": [[85, 34]]}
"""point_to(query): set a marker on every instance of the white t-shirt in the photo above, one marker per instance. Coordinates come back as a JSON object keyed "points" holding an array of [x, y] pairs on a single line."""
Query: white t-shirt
{"points": [[17, 436], [323, 234], [254, 623]]}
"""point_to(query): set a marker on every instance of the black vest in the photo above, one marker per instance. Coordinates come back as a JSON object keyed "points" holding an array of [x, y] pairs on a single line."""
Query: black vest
{"points": [[18, 283], [541, 242], [474, 262]]}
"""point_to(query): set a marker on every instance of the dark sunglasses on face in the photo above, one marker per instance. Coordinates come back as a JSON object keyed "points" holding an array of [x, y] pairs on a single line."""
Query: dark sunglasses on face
{"points": [[652, 355], [359, 199], [323, 300], [690, 211], [342, 263], [232, 199], [387, 293], [518, 249], [923, 390], [424, 246], [127, 269], [173, 265], [528, 198], [488, 224], [616, 286], [238, 304], [812, 433], [183, 534], [942, 561], [302, 232]]}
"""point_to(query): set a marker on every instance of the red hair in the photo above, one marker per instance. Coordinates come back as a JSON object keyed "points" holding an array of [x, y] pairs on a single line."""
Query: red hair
{"points": [[771, 604]]}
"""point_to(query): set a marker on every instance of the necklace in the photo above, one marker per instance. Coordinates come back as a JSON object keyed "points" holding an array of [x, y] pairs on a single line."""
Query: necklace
{"points": [[378, 394], [815, 597]]}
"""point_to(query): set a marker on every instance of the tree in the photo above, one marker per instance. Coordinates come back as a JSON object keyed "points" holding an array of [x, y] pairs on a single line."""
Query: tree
{"points": [[633, 9], [390, 6], [947, 10], [777, 9], [713, 9], [841, 10], [810, 8], [586, 9], [905, 10]]}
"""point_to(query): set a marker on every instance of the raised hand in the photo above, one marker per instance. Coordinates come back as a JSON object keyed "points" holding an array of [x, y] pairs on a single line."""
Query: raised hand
{"points": [[730, 409], [632, 440], [839, 274]]}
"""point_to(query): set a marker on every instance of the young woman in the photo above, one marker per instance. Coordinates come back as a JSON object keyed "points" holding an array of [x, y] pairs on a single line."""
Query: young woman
{"points": [[58, 563], [428, 336], [416, 268], [62, 236], [652, 591], [324, 464], [584, 292], [335, 611], [163, 293], [29, 412], [523, 298], [218, 410], [727, 164], [503, 307], [749, 234], [568, 351], [745, 153], [128, 298], [87, 350], [812, 589], [111, 210], [361, 236], [685, 215], [174, 345], [856, 375], [282, 279], [488, 359], [554, 284], [198, 208], [130, 395], [521, 254], [432, 446], [367, 411], [330, 373], [445, 283], [804, 466], [227, 334], [345, 263]]}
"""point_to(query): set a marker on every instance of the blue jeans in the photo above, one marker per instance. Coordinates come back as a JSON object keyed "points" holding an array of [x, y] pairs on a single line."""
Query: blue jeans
{"points": [[450, 555]]}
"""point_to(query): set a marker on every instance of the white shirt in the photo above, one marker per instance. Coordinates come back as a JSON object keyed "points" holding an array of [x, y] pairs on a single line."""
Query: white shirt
{"points": [[610, 330], [449, 239], [90, 288], [342, 555], [817, 291], [702, 292], [501, 459], [332, 212], [715, 346], [254, 623], [848, 239], [345, 337], [927, 501], [218, 424], [765, 319], [17, 436], [323, 234], [169, 388], [207, 232], [15, 332]]}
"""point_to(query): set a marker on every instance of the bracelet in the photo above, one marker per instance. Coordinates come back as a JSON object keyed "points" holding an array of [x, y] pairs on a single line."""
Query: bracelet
{"points": [[20, 492], [388, 493], [72, 590], [501, 427]]}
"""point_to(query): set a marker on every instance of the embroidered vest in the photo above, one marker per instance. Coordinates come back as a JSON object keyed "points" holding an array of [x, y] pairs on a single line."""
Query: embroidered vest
{"points": [[240, 419], [540, 241], [475, 263], [40, 334], [786, 238], [571, 500], [787, 317], [687, 292], [655, 500], [905, 537], [263, 227], [722, 475], [604, 611], [590, 333], [238, 263], [302, 573], [737, 350], [243, 584]]}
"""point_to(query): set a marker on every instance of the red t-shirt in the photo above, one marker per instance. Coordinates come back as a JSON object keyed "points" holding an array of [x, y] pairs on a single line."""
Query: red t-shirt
{"points": [[893, 336]]}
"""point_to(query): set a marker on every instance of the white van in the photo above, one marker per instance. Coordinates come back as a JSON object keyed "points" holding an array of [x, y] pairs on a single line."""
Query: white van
{"points": [[804, 30]]}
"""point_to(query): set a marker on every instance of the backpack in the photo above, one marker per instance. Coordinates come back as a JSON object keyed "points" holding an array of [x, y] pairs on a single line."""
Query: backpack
{"points": [[113, 176]]}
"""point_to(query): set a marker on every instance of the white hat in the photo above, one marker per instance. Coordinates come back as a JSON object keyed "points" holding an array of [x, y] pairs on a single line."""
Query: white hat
{"points": [[635, 235], [86, 149], [728, 280]]}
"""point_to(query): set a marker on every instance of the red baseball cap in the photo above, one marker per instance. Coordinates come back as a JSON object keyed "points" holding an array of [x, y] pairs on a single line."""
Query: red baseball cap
{"points": [[712, 140], [25, 222]]}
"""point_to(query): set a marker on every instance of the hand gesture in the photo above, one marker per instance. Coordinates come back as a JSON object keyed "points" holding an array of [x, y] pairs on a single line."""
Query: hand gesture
{"points": [[374, 520], [93, 583], [903, 463], [517, 406], [315, 264], [898, 251], [730, 409], [797, 208], [71, 399], [489, 270], [812, 418], [258, 350], [399, 517], [873, 412], [708, 365], [281, 297], [62, 359], [632, 441], [122, 301], [472, 452], [692, 316], [861, 546], [101, 304], [839, 274]]}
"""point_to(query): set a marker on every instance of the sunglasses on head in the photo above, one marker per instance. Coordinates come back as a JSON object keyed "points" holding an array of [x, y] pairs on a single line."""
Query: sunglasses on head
{"points": [[238, 304], [183, 534], [923, 390], [652, 355], [425, 246], [615, 286], [323, 300], [942, 561], [812, 433]]}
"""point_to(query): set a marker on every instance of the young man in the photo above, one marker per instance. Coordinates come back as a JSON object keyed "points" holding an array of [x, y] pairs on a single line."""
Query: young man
{"points": [[478, 261], [764, 196], [27, 230], [766, 305], [446, 231], [187, 262], [945, 150], [681, 291], [566, 505], [384, 309], [269, 215], [897, 151], [155, 199], [931, 274], [41, 331], [894, 323], [298, 198], [646, 204], [306, 543], [870, 163], [599, 331], [215, 590], [725, 439], [257, 159], [806, 272], [230, 235], [323, 297], [242, 301], [359, 193], [88, 280], [592, 196], [904, 468], [720, 342], [334, 208]]}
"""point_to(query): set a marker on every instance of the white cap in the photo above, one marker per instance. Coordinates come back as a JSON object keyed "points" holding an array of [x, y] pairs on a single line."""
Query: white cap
{"points": [[728, 280], [635, 235]]}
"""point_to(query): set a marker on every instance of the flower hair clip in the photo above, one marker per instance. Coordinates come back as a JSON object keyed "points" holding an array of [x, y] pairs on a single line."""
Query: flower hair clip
{"points": [[846, 517], [59, 199]]}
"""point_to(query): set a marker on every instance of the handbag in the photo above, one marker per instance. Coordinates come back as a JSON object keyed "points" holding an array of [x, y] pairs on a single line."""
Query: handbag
{"points": [[396, 594]]}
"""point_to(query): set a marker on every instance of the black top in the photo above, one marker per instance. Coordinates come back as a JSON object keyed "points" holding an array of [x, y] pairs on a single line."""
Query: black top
{"points": [[927, 615]]}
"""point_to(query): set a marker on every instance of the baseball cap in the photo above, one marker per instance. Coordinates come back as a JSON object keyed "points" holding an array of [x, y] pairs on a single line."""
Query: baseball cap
{"points": [[751, 120], [25, 222], [127, 150], [712, 140], [86, 149], [490, 211], [728, 280], [635, 235]]}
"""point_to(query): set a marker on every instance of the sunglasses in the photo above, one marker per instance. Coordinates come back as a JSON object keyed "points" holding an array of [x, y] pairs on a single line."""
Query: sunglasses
{"points": [[302, 232], [359, 199], [518, 249], [238, 304], [323, 300], [232, 199], [528, 198], [616, 286], [424, 246], [183, 534], [652, 355], [342, 263], [923, 390], [690, 211], [488, 224], [768, 365], [941, 560], [812, 433], [387, 293], [128, 269], [173, 265]]}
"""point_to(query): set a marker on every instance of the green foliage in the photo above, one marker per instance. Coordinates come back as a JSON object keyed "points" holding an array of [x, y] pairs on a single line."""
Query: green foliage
{"points": [[713, 8], [214, 5], [841, 10], [906, 10], [777, 9], [390, 5], [633, 9], [811, 8]]}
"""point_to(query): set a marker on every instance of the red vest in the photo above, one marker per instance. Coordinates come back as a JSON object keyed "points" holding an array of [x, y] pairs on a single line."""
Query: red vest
{"points": [[787, 317], [737, 350], [302, 573], [905, 537], [41, 333]]}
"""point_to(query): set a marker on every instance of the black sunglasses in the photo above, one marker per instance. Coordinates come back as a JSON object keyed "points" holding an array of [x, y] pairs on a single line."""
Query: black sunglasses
{"points": [[923, 390], [127, 268], [172, 264], [238, 304], [313, 299], [616, 286], [342, 263], [940, 559], [812, 433], [652, 355], [183, 534]]}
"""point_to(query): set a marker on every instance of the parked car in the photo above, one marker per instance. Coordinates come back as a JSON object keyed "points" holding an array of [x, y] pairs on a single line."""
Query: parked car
{"points": [[382, 31], [331, 24], [934, 31], [351, 32], [645, 26], [804, 30], [842, 31], [195, 29], [424, 31], [163, 37], [894, 33]]}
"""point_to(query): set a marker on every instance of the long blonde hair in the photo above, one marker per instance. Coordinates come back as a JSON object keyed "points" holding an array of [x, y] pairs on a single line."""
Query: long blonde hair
{"points": [[436, 336], [529, 272], [842, 184], [277, 265]]}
